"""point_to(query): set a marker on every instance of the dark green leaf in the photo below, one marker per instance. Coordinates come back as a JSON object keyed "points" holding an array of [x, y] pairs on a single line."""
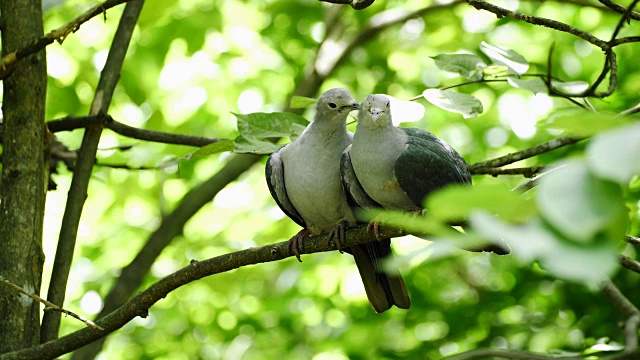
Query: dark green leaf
{"points": [[253, 145], [516, 63], [213, 148], [263, 125], [615, 155], [467, 65], [467, 105]]}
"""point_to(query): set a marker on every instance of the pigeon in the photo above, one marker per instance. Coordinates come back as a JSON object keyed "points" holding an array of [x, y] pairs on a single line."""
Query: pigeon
{"points": [[304, 180], [396, 168]]}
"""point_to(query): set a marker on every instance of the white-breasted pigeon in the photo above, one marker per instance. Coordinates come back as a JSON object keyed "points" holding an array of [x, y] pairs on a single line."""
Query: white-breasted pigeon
{"points": [[304, 179]]}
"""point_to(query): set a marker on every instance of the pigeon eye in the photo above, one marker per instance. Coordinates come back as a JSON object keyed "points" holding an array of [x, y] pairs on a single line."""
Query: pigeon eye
{"points": [[332, 105]]}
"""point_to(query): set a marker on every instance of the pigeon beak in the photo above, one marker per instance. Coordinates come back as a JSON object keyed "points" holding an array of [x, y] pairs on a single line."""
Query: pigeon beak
{"points": [[352, 106], [375, 114]]}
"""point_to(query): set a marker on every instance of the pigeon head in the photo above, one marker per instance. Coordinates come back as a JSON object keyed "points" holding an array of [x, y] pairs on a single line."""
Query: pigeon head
{"points": [[335, 105], [375, 111]]}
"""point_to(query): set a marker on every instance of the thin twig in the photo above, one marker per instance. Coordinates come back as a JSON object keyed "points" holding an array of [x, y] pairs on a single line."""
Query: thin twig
{"points": [[48, 305], [619, 9], [618, 299], [631, 333], [632, 240], [531, 183], [629, 263], [625, 16], [528, 172], [11, 60], [507, 354], [528, 153]]}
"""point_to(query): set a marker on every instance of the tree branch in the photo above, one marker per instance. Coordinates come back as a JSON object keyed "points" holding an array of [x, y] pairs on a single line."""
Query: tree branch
{"points": [[506, 354], [528, 172], [11, 60], [140, 303], [619, 9], [629, 263], [633, 240], [48, 305], [71, 122], [528, 153], [84, 166], [618, 299]]}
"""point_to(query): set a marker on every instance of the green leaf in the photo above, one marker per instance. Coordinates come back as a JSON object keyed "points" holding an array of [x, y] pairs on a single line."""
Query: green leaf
{"points": [[535, 85], [458, 202], [248, 144], [466, 65], [213, 148], [571, 86], [516, 63], [615, 155], [467, 105], [495, 70], [578, 204], [263, 125], [580, 122], [535, 241], [301, 102]]}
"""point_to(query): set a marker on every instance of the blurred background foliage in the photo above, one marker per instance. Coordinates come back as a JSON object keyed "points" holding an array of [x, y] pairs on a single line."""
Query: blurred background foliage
{"points": [[193, 62]]}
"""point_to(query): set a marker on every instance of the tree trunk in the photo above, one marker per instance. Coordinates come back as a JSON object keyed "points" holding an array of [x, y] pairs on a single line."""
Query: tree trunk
{"points": [[23, 190]]}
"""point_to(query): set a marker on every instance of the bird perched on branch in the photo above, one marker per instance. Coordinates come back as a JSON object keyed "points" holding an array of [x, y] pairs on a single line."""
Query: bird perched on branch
{"points": [[304, 179], [397, 167]]}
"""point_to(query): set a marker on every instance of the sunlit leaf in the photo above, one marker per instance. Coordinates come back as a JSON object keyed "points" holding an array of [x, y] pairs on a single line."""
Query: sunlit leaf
{"points": [[615, 155], [496, 70], [535, 85], [535, 241], [572, 87], [213, 148], [466, 65], [458, 202], [263, 125], [516, 63], [301, 102], [253, 145], [467, 105], [405, 111], [577, 203], [580, 122]]}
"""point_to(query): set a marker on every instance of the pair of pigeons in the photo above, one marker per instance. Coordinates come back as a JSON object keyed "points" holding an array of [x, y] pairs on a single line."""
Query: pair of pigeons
{"points": [[320, 178]]}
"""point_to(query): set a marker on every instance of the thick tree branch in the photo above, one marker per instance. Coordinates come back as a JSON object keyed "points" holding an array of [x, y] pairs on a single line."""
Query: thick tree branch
{"points": [[84, 166], [139, 304], [618, 299], [11, 60], [527, 153], [71, 122], [633, 240]]}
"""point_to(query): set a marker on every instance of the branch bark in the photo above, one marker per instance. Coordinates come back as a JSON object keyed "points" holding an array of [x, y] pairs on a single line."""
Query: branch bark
{"points": [[23, 178], [37, 42], [83, 168], [139, 304]]}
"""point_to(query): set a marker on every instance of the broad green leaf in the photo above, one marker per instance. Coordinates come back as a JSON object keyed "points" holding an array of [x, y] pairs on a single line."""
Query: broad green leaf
{"points": [[467, 105], [213, 148], [458, 202], [535, 85], [571, 86], [301, 102], [535, 241], [580, 122], [615, 155], [253, 145], [466, 65], [577, 203], [263, 125], [516, 63]]}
